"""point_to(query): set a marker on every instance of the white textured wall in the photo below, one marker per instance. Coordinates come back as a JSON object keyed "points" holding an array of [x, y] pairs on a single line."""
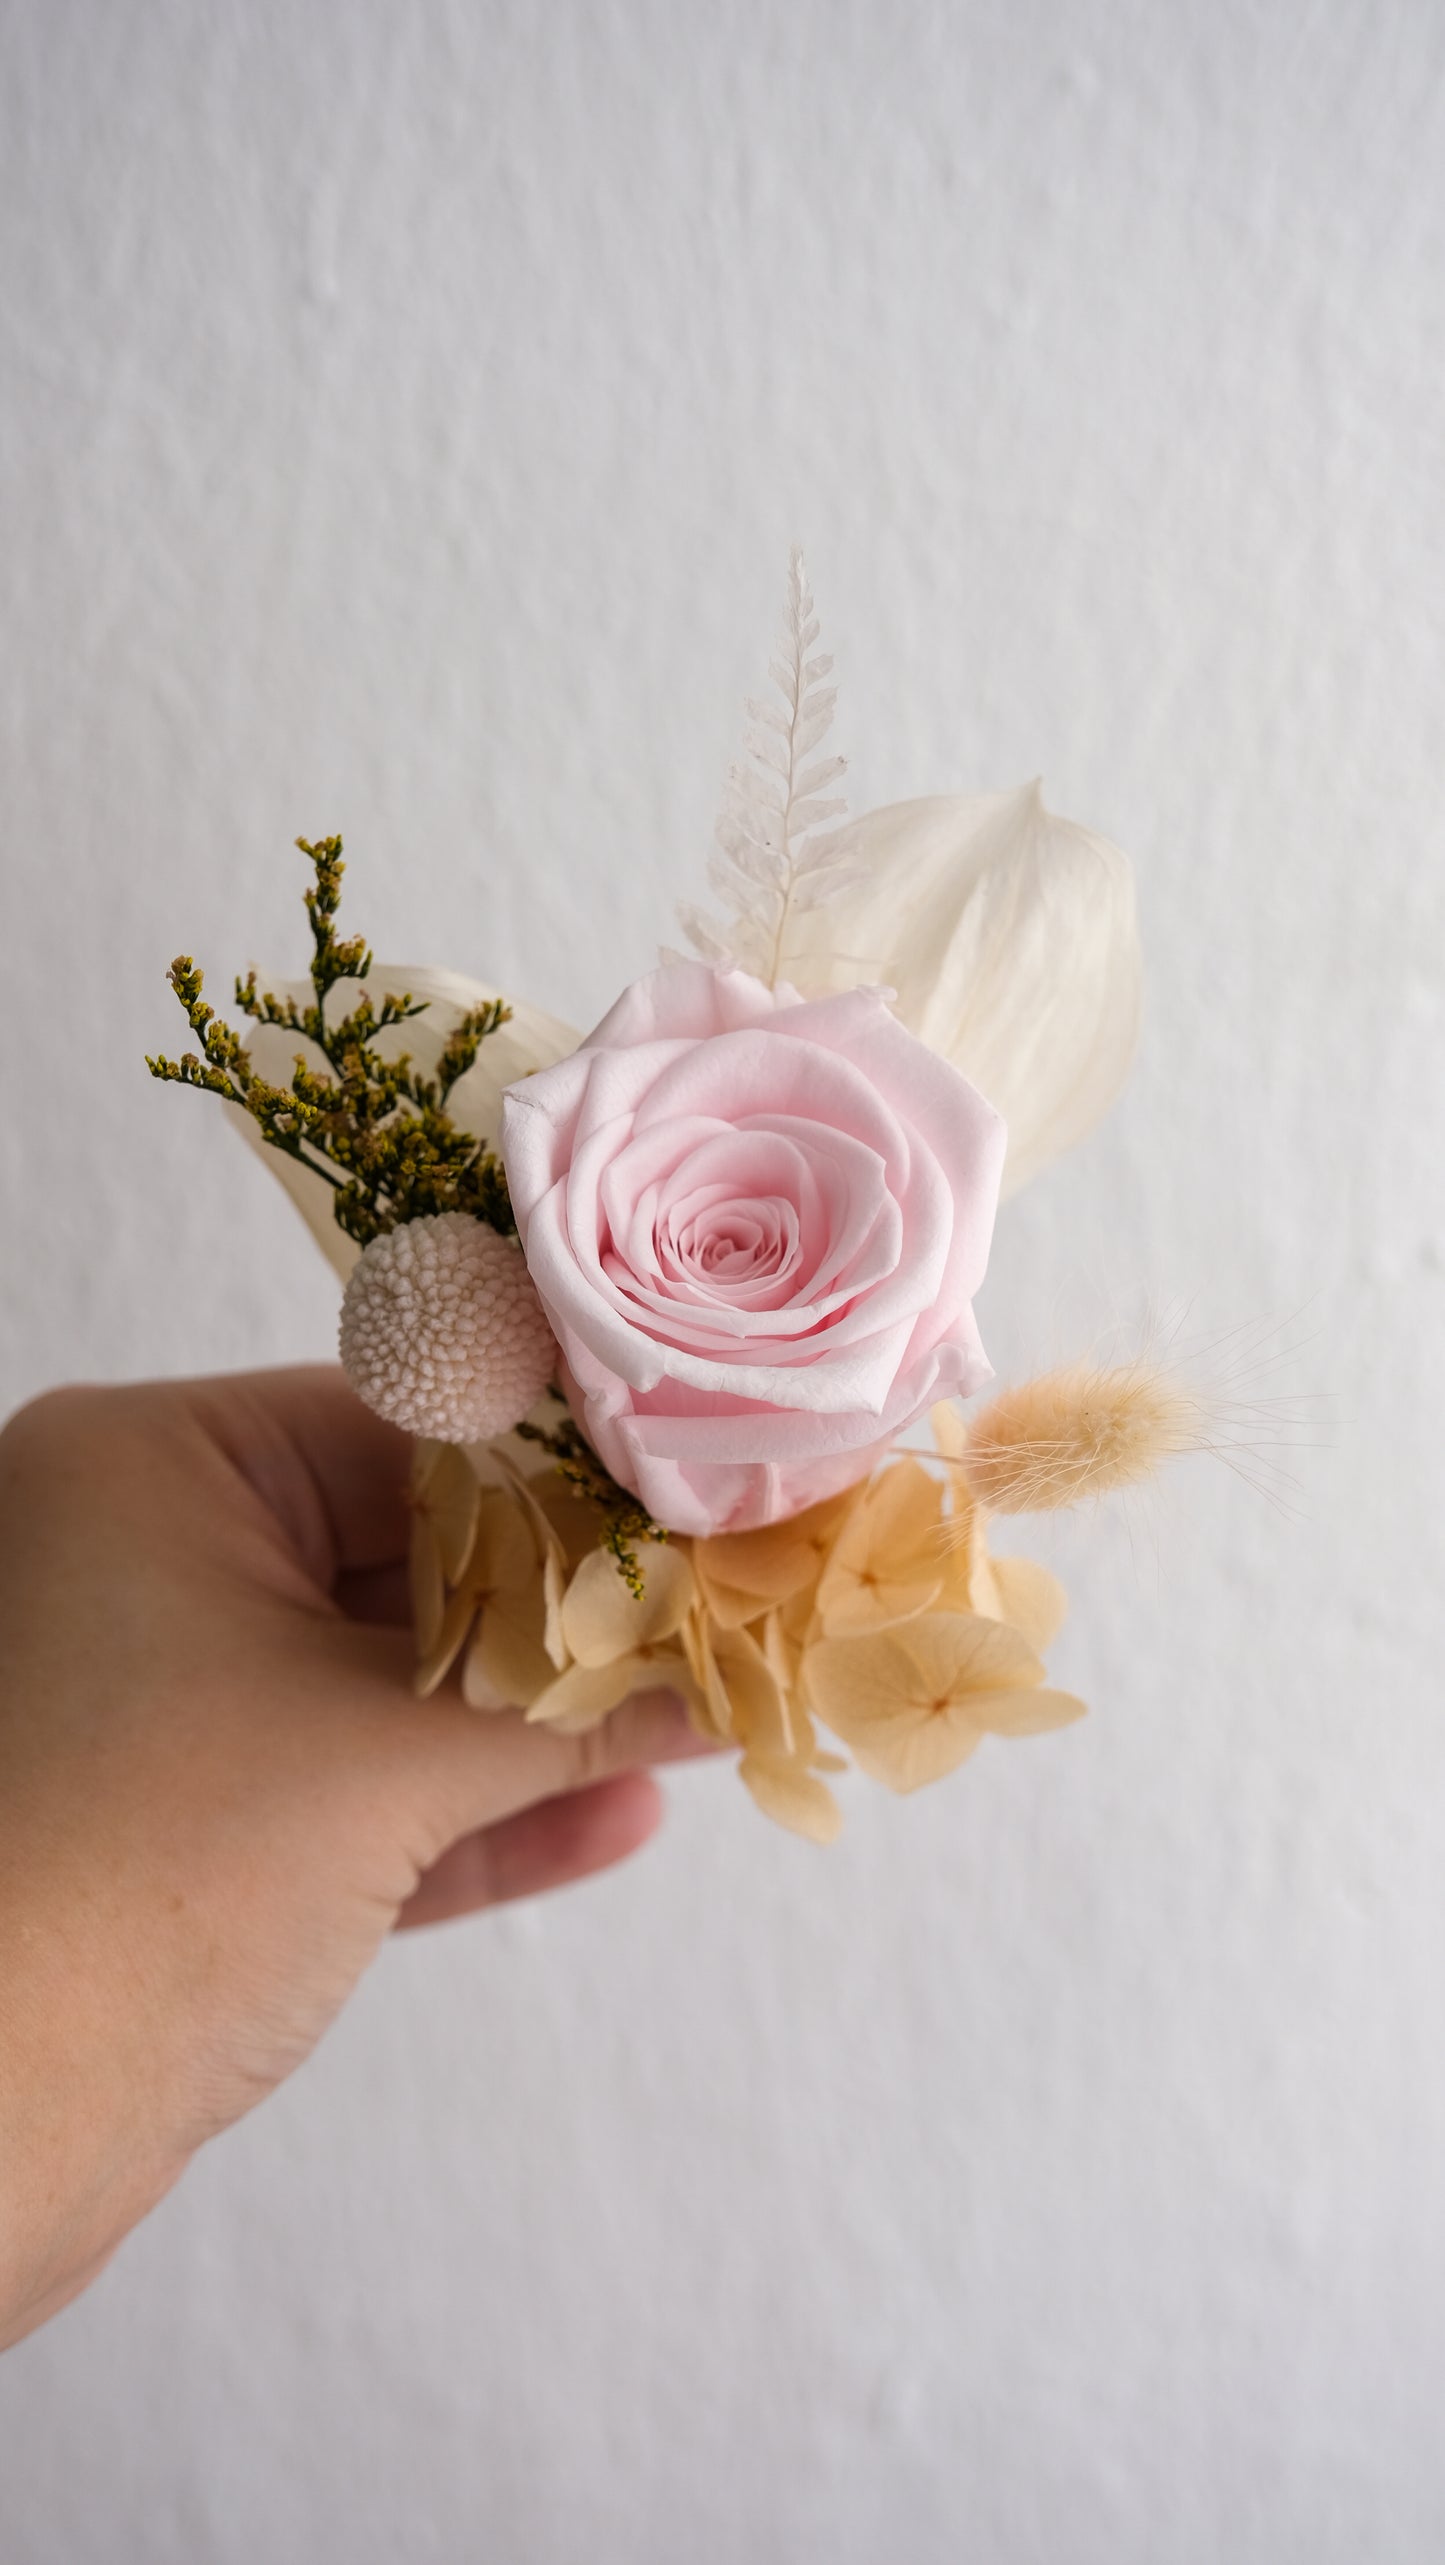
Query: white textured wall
{"points": [[406, 410]]}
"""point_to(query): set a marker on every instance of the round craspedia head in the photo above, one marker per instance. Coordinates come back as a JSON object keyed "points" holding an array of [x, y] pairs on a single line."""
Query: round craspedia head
{"points": [[442, 1331]]}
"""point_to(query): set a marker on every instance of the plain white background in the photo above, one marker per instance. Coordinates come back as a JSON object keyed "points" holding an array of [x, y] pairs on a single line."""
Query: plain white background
{"points": [[406, 412]]}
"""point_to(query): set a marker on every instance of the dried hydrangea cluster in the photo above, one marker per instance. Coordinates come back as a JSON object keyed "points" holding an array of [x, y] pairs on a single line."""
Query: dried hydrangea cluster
{"points": [[879, 1615]]}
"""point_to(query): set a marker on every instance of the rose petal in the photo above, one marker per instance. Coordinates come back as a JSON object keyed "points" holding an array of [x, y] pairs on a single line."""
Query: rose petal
{"points": [[757, 1248]]}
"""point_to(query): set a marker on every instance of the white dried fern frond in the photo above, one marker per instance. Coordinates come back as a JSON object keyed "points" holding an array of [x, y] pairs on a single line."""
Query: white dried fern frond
{"points": [[777, 856]]}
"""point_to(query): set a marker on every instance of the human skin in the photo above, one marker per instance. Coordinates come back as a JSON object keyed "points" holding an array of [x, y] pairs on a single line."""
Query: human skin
{"points": [[218, 1792]]}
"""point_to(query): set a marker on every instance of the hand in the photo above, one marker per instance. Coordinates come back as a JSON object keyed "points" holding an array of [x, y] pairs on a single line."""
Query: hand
{"points": [[218, 1792]]}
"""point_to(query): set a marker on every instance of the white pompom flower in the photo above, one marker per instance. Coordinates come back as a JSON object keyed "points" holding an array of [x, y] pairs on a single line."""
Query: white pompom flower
{"points": [[442, 1331]]}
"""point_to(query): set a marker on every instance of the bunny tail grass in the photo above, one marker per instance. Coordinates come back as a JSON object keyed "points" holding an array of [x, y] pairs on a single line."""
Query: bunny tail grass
{"points": [[1077, 1433]]}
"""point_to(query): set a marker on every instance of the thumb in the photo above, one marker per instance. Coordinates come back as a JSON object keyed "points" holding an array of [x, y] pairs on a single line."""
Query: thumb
{"points": [[461, 1769]]}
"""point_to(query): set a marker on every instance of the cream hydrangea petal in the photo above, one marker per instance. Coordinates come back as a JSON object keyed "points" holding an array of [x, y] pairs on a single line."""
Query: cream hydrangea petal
{"points": [[907, 1755], [711, 1709], [742, 1574], [501, 1562], [554, 1592], [446, 1508], [602, 1618], [428, 1584], [888, 1561], [950, 1433], [868, 1604], [746, 1694], [507, 1666], [903, 1508], [975, 1577], [436, 1662], [504, 1554], [962, 1652], [868, 1690], [705, 1638], [583, 1696], [782, 1635], [861, 1682], [904, 1700], [445, 1491], [793, 1797], [1031, 1712], [496, 1466], [507, 1460], [1031, 1598], [1010, 940], [915, 1669], [762, 1716], [428, 1572], [744, 1700]]}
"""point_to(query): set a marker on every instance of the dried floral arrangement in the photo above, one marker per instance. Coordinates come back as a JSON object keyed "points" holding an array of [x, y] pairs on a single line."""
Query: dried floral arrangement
{"points": [[659, 1304]]}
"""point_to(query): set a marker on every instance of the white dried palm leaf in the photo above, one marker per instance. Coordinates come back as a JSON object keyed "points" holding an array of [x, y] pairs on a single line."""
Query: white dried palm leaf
{"points": [[530, 1039], [1009, 939]]}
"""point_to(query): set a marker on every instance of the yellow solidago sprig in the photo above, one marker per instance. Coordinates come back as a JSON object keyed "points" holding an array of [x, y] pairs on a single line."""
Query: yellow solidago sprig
{"points": [[378, 1132], [624, 1520]]}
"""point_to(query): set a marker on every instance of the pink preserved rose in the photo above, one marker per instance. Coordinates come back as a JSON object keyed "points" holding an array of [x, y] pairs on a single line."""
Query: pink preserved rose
{"points": [[756, 1223]]}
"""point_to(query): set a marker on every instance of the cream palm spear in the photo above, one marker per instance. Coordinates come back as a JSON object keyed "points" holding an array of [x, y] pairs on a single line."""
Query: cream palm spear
{"points": [[1008, 935], [1009, 938]]}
